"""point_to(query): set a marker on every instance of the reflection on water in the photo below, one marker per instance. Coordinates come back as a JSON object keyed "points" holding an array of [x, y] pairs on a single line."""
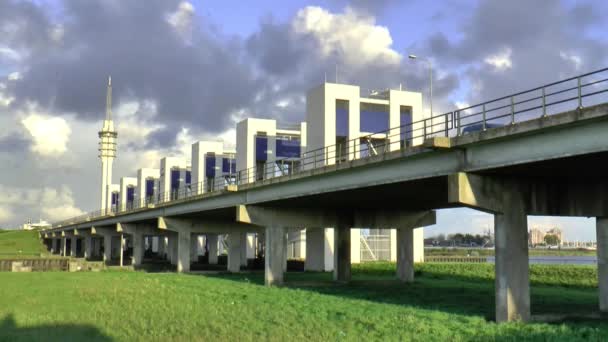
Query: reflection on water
{"points": [[556, 260]]}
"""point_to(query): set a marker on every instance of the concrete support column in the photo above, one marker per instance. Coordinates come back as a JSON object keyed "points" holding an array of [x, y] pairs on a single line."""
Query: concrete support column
{"points": [[138, 248], [275, 255], [121, 252], [602, 261], [315, 250], [512, 269], [355, 245], [64, 247], [107, 248], [212, 247], [72, 251], [405, 254], [88, 247], [342, 240], [235, 248], [243, 249], [173, 249], [161, 245], [184, 247], [194, 248]]}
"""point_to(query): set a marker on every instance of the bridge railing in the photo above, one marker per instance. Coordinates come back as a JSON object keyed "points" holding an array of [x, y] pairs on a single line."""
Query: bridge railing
{"points": [[568, 94]]}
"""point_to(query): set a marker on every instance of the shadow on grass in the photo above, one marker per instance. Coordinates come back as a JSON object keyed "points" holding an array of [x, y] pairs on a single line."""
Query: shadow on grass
{"points": [[9, 331], [442, 291]]}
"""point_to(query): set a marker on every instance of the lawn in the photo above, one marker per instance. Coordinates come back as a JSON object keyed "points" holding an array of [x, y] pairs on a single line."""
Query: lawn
{"points": [[21, 244], [448, 302]]}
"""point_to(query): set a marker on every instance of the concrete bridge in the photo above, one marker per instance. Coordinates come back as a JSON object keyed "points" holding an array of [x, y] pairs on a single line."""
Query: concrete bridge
{"points": [[546, 158]]}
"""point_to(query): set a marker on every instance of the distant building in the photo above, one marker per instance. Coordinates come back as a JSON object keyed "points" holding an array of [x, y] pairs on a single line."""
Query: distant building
{"points": [[535, 237], [38, 225]]}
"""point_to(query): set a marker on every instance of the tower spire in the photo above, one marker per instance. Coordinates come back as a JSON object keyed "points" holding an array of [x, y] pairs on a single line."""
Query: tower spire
{"points": [[109, 100]]}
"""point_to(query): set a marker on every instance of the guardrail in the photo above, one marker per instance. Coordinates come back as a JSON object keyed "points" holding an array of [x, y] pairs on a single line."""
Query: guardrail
{"points": [[543, 101]]}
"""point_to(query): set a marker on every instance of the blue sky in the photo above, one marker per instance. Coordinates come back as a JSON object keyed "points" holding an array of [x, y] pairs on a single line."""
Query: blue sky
{"points": [[176, 65]]}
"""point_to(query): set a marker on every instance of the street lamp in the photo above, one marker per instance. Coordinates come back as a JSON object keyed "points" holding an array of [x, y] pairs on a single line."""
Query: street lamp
{"points": [[414, 57]]}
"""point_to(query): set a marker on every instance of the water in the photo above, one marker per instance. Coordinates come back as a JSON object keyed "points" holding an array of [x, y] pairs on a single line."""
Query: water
{"points": [[559, 260]]}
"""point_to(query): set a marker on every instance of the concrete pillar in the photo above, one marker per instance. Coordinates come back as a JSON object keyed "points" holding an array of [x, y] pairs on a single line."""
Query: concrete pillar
{"points": [[355, 245], [184, 247], [243, 248], [194, 248], [138, 248], [161, 245], [315, 250], [107, 248], [73, 244], [235, 248], [88, 247], [121, 252], [173, 249], [405, 254], [602, 260], [418, 244], [275, 256], [64, 247], [342, 255], [212, 247], [512, 283]]}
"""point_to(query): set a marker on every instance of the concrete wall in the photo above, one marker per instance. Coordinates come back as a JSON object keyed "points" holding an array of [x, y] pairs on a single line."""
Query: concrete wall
{"points": [[166, 165], [126, 182], [142, 175]]}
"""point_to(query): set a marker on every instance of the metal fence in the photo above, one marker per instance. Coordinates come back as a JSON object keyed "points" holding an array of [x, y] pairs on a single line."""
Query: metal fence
{"points": [[376, 247], [568, 94]]}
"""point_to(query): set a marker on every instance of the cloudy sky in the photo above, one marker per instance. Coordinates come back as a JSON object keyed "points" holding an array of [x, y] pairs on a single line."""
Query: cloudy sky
{"points": [[184, 71]]}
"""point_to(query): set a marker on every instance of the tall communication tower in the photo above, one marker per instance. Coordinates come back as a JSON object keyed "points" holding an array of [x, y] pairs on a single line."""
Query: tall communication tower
{"points": [[107, 149]]}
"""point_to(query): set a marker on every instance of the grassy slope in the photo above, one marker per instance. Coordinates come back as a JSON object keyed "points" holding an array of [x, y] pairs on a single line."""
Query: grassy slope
{"points": [[447, 302], [20, 243]]}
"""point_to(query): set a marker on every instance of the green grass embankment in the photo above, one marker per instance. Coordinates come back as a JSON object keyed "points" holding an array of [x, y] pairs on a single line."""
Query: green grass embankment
{"points": [[21, 244], [447, 302]]}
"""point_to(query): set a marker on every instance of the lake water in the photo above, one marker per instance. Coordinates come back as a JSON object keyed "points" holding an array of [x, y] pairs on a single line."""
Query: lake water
{"points": [[557, 260]]}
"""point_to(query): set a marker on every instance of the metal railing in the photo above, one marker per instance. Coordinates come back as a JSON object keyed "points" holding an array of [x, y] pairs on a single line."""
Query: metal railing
{"points": [[568, 94]]}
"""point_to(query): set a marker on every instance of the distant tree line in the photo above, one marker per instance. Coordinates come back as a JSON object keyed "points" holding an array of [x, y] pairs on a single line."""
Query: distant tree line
{"points": [[459, 239]]}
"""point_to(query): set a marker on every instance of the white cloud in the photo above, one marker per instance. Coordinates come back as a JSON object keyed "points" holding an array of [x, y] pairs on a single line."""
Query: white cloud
{"points": [[133, 121], [10, 54], [572, 58], [354, 36], [50, 134], [5, 214], [14, 76], [53, 204], [500, 60], [181, 19]]}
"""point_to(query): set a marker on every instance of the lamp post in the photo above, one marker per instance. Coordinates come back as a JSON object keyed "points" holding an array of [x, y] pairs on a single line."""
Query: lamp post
{"points": [[414, 57]]}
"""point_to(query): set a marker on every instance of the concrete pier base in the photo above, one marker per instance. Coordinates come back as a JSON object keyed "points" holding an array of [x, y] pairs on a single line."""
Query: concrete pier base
{"points": [[184, 248], [602, 261], [212, 248], [276, 245], [342, 266], [235, 249], [512, 269], [405, 254]]}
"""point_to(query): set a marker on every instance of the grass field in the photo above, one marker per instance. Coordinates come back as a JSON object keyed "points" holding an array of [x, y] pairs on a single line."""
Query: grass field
{"points": [[21, 244], [448, 302]]}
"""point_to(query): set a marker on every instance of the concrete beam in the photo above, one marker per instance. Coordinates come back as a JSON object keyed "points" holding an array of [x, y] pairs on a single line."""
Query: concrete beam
{"points": [[388, 219], [285, 217], [474, 191]]}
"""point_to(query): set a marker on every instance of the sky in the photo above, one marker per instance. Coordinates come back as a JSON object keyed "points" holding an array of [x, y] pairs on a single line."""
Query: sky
{"points": [[184, 71]]}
